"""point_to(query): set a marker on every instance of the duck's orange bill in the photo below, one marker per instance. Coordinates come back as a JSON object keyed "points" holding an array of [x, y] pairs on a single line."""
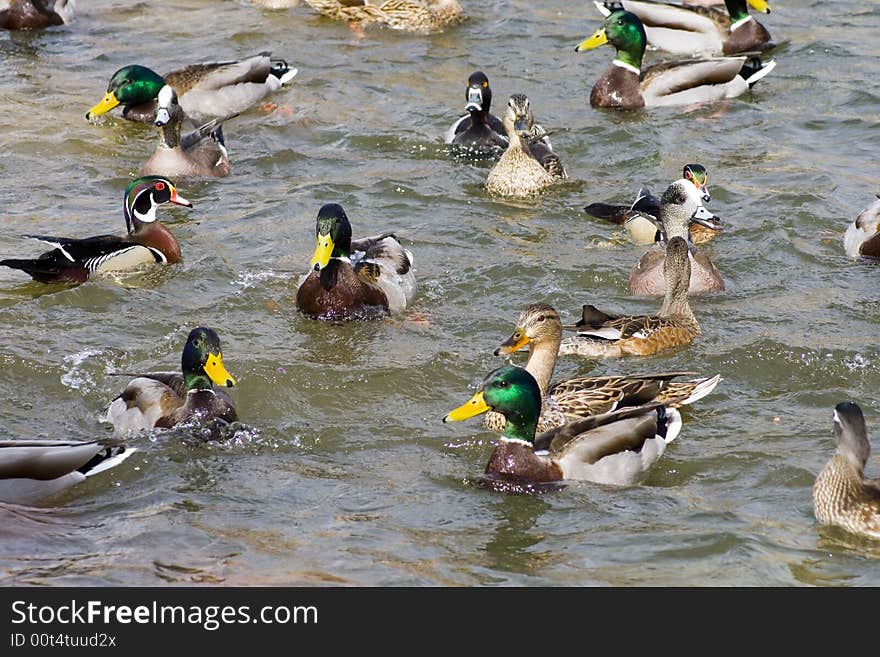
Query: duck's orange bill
{"points": [[515, 342], [473, 406], [322, 252], [214, 368]]}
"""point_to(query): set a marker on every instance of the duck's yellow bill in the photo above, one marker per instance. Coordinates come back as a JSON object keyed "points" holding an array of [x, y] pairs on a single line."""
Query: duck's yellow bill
{"points": [[515, 342], [760, 5], [214, 369], [598, 39], [473, 406], [108, 102], [322, 252]]}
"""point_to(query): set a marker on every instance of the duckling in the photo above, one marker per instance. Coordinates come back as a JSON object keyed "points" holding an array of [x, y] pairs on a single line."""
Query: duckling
{"points": [[359, 279], [625, 86], [616, 448], [166, 399], [680, 206], [478, 128], [842, 495], [540, 329], [529, 164], [200, 153], [147, 242], [36, 14], [862, 237], [602, 335], [410, 15], [31, 470], [206, 91], [689, 29]]}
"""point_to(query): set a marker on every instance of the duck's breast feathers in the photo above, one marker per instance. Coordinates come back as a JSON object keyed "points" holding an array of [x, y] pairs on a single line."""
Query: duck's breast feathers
{"points": [[618, 87], [750, 36], [338, 292]]}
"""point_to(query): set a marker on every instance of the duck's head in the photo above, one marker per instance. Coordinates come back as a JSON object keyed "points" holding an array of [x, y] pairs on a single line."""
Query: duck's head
{"points": [[518, 117], [681, 205], [851, 434], [537, 323], [511, 391], [167, 107], [624, 31], [333, 232], [130, 85], [144, 195], [202, 361], [478, 94], [698, 175]]}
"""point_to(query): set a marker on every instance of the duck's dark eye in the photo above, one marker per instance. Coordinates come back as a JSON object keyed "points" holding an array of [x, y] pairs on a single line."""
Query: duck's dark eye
{"points": [[502, 384], [541, 318]]}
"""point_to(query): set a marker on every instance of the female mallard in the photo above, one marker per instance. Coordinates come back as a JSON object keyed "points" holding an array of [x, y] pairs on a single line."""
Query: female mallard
{"points": [[615, 448], [540, 329], [680, 207], [409, 15], [148, 241], [625, 86], [862, 237], [358, 279], [641, 224], [478, 128], [842, 495], [206, 91], [601, 335], [529, 164], [165, 399], [31, 470], [36, 14], [689, 29], [200, 153]]}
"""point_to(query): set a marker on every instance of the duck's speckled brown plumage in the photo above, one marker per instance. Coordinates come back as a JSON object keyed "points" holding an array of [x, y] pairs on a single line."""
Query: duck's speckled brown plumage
{"points": [[409, 15]]}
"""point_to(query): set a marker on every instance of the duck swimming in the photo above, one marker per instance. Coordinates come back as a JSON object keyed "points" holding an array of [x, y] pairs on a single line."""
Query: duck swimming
{"points": [[423, 16], [478, 128], [862, 237], [36, 14]]}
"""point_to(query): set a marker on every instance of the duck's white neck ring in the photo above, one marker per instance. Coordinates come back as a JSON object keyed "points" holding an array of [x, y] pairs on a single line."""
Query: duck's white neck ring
{"points": [[628, 67], [519, 441], [740, 23]]}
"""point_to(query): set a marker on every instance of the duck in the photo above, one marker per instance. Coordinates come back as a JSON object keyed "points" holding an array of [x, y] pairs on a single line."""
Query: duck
{"points": [[199, 153], [680, 206], [624, 85], [539, 328], [424, 16], [32, 470], [617, 448], [693, 29], [862, 237], [641, 225], [479, 128], [360, 279], [206, 91], [842, 495], [611, 336], [36, 14], [167, 399], [528, 165], [75, 260]]}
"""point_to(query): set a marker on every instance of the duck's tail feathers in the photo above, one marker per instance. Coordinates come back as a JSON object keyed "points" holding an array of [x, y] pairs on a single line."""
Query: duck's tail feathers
{"points": [[108, 458], [668, 423], [703, 388], [753, 70]]}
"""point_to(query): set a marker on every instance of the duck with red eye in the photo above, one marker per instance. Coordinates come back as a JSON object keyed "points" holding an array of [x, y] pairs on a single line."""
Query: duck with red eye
{"points": [[478, 129], [147, 242]]}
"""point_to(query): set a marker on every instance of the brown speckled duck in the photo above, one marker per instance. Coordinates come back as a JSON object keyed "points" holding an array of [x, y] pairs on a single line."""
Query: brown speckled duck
{"points": [[36, 14], [409, 15], [842, 495]]}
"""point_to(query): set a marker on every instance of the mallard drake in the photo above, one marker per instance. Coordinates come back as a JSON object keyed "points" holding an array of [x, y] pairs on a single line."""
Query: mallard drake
{"points": [[359, 279], [641, 225], [862, 237], [206, 91], [615, 448], [624, 85], [31, 470], [148, 241], [602, 335], [166, 399], [680, 206], [478, 128], [529, 164], [842, 495], [409, 15], [540, 329], [36, 14], [691, 29], [199, 153]]}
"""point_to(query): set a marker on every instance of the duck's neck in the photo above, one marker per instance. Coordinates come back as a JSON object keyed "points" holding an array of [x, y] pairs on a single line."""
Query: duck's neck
{"points": [[169, 135], [738, 11], [542, 361], [675, 303], [631, 56], [197, 381]]}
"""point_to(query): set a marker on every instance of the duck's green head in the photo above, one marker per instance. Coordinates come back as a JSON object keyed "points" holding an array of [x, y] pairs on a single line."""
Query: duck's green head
{"points": [[511, 391], [334, 235], [202, 361], [130, 85], [624, 31], [144, 195], [698, 175]]}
